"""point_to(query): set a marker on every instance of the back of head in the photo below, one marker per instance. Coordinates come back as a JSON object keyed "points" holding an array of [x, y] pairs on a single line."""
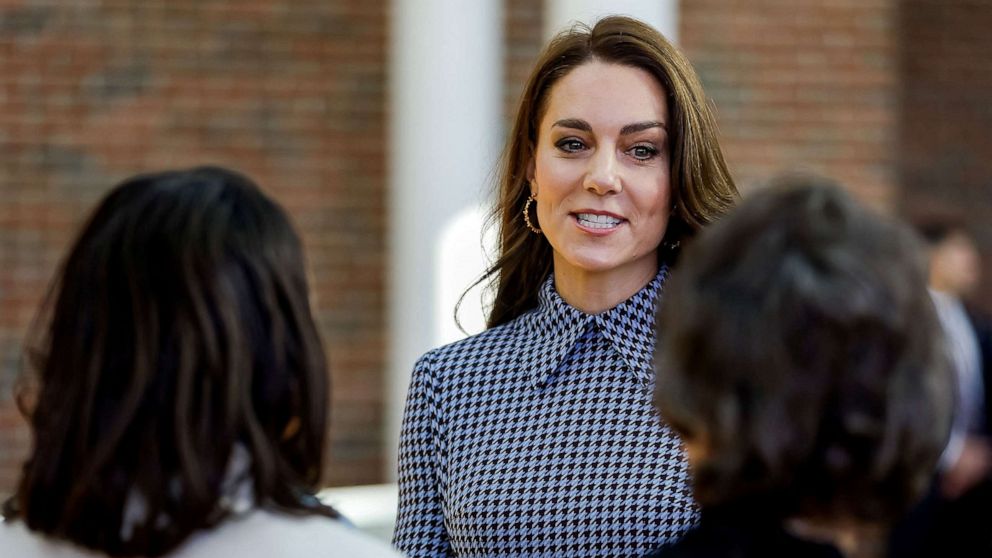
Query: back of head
{"points": [[177, 364], [800, 348]]}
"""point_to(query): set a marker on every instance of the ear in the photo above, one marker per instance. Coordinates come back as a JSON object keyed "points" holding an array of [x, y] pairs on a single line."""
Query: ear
{"points": [[530, 174]]}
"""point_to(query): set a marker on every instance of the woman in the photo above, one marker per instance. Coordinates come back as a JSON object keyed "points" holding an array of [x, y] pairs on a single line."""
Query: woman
{"points": [[801, 362], [537, 437], [179, 403]]}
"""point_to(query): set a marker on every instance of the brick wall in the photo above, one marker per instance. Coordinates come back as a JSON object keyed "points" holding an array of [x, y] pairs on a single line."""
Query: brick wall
{"points": [[289, 91], [801, 84], [945, 134], [892, 97], [524, 40]]}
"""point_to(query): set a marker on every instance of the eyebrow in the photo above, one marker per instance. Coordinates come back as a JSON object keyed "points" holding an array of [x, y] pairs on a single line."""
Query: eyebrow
{"points": [[579, 124], [641, 126], [574, 123]]}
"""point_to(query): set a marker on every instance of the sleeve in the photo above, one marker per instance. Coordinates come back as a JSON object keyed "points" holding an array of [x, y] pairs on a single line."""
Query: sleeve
{"points": [[420, 530]]}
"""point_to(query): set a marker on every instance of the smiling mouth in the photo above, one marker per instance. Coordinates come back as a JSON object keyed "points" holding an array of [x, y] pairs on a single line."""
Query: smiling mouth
{"points": [[597, 221]]}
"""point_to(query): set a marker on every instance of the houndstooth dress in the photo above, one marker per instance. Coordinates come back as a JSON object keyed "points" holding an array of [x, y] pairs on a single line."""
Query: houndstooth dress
{"points": [[538, 438]]}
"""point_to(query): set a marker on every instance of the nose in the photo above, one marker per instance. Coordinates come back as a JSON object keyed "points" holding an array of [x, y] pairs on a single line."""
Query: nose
{"points": [[603, 175]]}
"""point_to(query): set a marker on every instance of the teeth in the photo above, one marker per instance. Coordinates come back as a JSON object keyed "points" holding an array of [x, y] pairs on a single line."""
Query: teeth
{"points": [[594, 221]]}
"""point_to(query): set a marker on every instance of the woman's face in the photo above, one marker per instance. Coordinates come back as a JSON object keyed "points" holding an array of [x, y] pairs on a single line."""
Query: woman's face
{"points": [[600, 171]]}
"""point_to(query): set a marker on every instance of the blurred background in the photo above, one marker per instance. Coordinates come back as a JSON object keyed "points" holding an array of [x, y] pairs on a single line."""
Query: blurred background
{"points": [[377, 125]]}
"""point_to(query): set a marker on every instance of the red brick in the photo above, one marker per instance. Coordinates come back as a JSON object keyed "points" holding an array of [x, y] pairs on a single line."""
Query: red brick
{"points": [[271, 87]]}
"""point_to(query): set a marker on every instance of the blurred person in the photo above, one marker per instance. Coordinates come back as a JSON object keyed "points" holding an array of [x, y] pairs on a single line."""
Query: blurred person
{"points": [[958, 517], [178, 396], [537, 437], [800, 362]]}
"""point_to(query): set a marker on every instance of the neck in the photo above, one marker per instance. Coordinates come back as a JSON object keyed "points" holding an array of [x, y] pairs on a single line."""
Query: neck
{"points": [[947, 283], [945, 287], [595, 292]]}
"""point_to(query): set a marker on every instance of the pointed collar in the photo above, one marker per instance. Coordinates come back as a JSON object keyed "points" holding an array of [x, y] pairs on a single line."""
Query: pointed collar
{"points": [[550, 331]]}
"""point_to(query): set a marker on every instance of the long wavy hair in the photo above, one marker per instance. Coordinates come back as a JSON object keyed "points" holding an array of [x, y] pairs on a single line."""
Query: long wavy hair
{"points": [[176, 347], [703, 189]]}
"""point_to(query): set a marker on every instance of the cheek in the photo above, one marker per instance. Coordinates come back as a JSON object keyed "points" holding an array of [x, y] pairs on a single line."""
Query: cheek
{"points": [[553, 175], [655, 208], [655, 203], [555, 182], [544, 206]]}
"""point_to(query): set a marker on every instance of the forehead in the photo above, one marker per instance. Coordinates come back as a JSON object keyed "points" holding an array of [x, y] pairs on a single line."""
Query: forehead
{"points": [[606, 94], [958, 241]]}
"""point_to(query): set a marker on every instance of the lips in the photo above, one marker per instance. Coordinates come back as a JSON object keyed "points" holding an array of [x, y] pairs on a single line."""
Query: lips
{"points": [[598, 220]]}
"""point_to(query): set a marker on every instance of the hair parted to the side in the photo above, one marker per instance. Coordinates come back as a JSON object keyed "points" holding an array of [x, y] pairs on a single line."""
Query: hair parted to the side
{"points": [[702, 188], [177, 336], [800, 348]]}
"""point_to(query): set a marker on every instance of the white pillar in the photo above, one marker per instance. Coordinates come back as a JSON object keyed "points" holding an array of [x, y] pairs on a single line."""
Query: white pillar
{"points": [[661, 14], [445, 95]]}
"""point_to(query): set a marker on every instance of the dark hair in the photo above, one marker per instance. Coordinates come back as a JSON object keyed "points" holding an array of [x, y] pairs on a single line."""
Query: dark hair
{"points": [[934, 229], [702, 188], [800, 347], [177, 335]]}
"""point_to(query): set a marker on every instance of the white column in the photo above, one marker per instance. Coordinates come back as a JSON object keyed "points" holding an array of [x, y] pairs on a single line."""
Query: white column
{"points": [[661, 14], [445, 95]]}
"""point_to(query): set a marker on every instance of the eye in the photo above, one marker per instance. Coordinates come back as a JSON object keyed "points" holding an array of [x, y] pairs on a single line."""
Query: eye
{"points": [[570, 145], [643, 152]]}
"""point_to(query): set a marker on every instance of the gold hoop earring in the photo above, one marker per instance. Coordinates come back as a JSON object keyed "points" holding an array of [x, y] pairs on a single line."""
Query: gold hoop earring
{"points": [[526, 212]]}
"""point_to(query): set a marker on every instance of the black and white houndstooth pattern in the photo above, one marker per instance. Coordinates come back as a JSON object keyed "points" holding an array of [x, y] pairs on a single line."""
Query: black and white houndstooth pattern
{"points": [[538, 438]]}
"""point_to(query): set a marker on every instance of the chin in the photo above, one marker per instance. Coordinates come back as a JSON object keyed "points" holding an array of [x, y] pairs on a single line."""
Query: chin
{"points": [[596, 263]]}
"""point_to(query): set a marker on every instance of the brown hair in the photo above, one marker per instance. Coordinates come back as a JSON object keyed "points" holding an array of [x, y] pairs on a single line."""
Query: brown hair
{"points": [[702, 186], [177, 335], [799, 346]]}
